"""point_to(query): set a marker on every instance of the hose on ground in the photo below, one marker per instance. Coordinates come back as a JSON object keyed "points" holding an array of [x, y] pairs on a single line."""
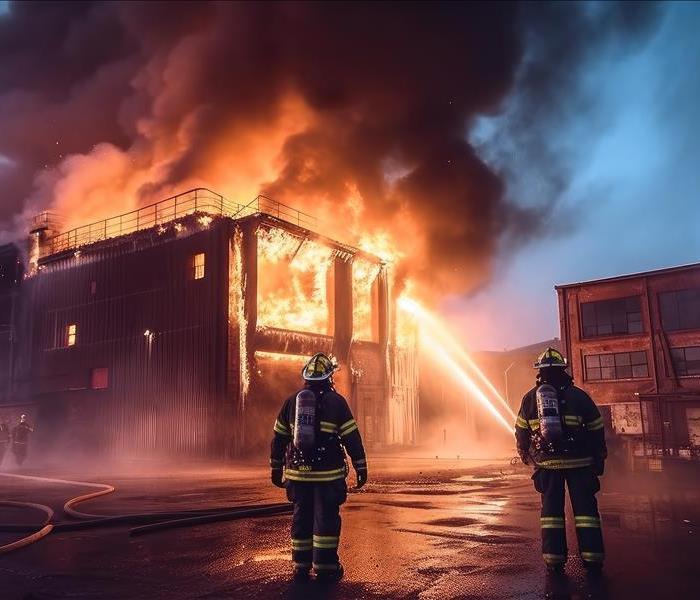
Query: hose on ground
{"points": [[148, 518], [151, 521], [44, 529], [266, 511]]}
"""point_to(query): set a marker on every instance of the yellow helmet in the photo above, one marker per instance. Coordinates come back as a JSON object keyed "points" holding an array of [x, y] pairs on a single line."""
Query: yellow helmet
{"points": [[319, 368], [551, 357]]}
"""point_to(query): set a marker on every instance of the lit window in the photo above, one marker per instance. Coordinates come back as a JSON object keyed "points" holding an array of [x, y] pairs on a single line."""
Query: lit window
{"points": [[71, 334], [198, 265]]}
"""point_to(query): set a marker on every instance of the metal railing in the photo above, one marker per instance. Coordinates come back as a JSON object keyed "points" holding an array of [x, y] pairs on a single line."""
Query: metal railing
{"points": [[192, 202]]}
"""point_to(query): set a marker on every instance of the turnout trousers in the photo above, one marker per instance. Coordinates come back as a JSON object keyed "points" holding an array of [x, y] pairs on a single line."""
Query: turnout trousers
{"points": [[316, 523], [583, 485]]}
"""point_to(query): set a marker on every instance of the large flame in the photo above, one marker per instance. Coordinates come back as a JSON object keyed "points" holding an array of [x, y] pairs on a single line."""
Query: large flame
{"points": [[294, 281]]}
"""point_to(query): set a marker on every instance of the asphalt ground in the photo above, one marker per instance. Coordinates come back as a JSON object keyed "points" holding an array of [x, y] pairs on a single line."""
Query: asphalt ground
{"points": [[422, 528]]}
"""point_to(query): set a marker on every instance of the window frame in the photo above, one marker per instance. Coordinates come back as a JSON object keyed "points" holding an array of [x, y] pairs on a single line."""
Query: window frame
{"points": [[614, 362], [199, 271], [597, 305], [70, 335], [675, 294], [674, 363]]}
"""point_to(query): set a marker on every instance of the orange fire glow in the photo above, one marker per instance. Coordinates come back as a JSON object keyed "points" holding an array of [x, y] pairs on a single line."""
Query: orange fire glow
{"points": [[293, 282]]}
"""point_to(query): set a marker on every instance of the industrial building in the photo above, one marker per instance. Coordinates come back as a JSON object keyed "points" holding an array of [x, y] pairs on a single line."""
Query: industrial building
{"points": [[634, 343], [179, 329]]}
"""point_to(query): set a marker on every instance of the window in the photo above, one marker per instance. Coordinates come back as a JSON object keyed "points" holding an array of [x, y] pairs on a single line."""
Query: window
{"points": [[686, 361], [611, 317], [680, 309], [620, 365], [99, 378], [71, 334], [198, 265]]}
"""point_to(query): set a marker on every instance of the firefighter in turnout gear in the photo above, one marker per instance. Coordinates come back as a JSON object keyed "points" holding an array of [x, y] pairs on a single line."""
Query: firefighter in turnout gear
{"points": [[560, 432], [312, 432], [5, 437], [20, 439]]}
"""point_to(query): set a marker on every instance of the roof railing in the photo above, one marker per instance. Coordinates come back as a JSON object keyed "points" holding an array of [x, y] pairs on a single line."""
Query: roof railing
{"points": [[192, 202]]}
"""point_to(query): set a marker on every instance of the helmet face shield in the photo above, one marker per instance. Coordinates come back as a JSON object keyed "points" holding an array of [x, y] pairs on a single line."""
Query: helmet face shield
{"points": [[319, 368]]}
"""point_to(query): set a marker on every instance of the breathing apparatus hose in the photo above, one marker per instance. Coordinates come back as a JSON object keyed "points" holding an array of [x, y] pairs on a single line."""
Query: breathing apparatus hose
{"points": [[172, 519]]}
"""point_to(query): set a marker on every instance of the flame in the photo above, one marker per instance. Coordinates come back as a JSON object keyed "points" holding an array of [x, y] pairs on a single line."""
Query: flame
{"points": [[293, 282], [237, 291], [364, 299]]}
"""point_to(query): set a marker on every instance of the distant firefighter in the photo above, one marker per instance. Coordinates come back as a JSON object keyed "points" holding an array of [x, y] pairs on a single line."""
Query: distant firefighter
{"points": [[20, 439], [560, 431], [307, 458], [5, 437]]}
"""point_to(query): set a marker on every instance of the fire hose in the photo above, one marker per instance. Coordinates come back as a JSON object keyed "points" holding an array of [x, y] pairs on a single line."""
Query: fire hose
{"points": [[150, 522]]}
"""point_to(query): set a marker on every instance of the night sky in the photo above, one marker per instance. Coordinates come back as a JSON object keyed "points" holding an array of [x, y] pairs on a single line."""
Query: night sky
{"points": [[633, 201]]}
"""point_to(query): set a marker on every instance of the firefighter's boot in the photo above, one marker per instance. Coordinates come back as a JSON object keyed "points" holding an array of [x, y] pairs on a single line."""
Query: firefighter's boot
{"points": [[331, 576]]}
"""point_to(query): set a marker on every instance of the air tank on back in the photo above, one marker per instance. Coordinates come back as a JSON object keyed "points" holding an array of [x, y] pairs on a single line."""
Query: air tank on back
{"points": [[551, 428], [305, 421]]}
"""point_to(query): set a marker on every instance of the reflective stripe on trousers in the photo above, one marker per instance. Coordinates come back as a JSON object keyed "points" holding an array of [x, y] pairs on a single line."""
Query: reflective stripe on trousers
{"points": [[583, 485], [316, 522]]}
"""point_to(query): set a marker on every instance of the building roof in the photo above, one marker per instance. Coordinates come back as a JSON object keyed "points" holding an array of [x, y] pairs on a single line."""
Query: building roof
{"points": [[198, 203], [663, 271]]}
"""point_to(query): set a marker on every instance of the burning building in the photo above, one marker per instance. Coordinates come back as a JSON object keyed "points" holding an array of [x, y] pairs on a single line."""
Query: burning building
{"points": [[180, 327]]}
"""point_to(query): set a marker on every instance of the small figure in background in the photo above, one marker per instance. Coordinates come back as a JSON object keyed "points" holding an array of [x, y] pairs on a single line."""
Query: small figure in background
{"points": [[20, 439], [4, 438]]}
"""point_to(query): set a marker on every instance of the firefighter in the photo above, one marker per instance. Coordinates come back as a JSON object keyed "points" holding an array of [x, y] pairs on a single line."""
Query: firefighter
{"points": [[560, 432], [20, 439], [4, 438], [307, 457]]}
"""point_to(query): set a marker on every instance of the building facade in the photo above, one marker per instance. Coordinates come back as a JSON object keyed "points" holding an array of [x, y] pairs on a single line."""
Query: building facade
{"points": [[634, 344], [180, 328]]}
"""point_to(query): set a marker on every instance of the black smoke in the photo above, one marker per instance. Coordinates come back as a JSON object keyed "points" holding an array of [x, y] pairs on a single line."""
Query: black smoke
{"points": [[390, 91]]}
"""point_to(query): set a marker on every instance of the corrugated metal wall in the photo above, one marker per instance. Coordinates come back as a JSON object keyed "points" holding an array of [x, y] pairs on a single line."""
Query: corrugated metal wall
{"points": [[165, 390]]}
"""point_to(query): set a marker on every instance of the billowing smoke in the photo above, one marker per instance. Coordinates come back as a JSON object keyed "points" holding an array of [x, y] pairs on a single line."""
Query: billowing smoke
{"points": [[358, 113]]}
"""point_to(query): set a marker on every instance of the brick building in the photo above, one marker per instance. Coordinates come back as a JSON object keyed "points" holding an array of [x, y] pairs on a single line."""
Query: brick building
{"points": [[634, 344]]}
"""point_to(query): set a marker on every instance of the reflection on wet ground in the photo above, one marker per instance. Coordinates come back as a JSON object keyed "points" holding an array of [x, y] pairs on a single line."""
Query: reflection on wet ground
{"points": [[435, 530]]}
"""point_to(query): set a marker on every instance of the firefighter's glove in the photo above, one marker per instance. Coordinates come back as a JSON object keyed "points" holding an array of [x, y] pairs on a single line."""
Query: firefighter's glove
{"points": [[599, 466], [361, 475], [276, 478]]}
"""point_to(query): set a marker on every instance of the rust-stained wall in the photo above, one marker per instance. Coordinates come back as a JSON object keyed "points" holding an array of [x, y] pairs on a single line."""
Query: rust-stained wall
{"points": [[654, 340]]}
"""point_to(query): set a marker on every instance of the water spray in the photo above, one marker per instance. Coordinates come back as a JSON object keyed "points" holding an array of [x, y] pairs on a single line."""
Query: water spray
{"points": [[435, 335]]}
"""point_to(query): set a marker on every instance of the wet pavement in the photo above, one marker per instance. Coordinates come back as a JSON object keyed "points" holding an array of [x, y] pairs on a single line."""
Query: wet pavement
{"points": [[421, 529]]}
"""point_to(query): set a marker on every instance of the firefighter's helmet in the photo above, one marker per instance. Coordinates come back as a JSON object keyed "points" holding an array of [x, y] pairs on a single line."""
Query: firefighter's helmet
{"points": [[319, 368], [550, 358]]}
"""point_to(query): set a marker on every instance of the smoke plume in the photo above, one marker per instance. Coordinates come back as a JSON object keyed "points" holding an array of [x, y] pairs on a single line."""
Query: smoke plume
{"points": [[356, 112]]}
